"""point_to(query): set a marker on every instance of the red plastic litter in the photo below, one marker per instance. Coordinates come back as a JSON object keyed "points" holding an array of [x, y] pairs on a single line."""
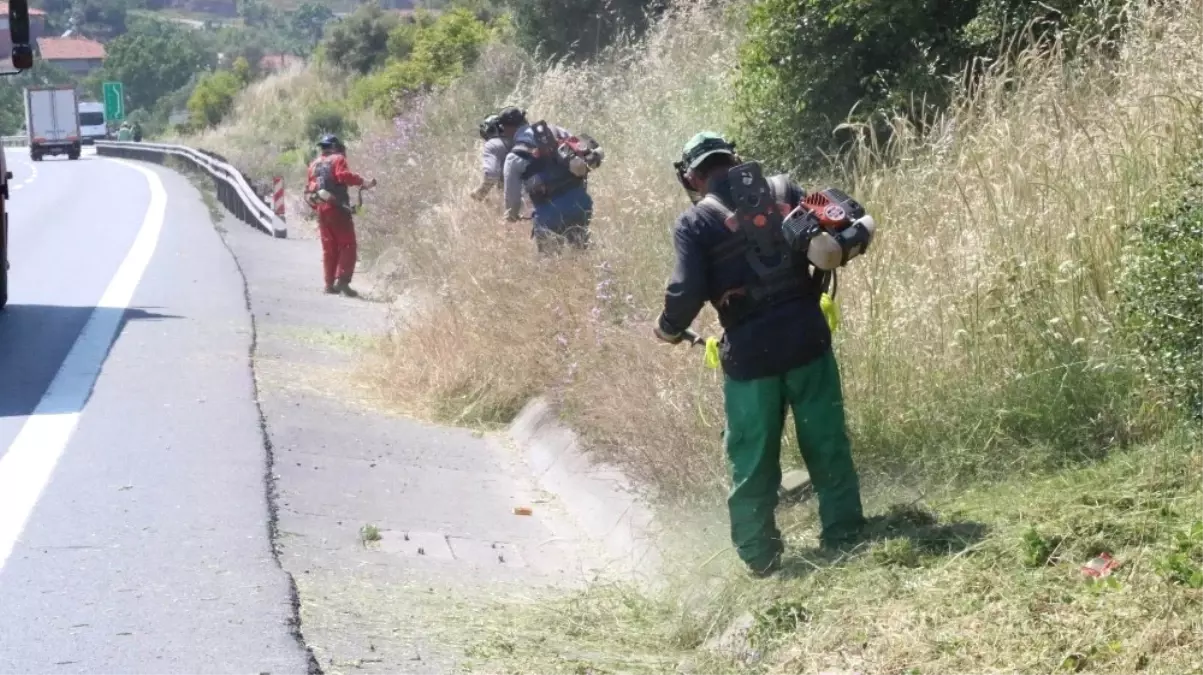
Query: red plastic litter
{"points": [[1100, 566]]}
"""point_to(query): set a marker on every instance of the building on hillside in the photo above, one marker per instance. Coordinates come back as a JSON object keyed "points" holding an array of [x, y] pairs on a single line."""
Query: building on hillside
{"points": [[224, 8], [273, 63], [76, 55], [37, 28]]}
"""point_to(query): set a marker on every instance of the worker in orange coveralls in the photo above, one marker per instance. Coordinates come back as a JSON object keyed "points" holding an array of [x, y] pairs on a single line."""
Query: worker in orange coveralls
{"points": [[327, 193]]}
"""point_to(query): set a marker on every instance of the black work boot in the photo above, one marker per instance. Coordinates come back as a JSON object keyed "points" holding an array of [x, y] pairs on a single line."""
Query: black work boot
{"points": [[766, 571], [330, 290], [344, 286]]}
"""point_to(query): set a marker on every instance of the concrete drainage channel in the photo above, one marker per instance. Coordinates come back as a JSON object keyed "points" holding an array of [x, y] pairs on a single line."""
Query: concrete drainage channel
{"points": [[599, 497]]}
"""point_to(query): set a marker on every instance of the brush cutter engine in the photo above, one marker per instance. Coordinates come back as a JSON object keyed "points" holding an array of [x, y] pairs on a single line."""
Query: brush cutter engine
{"points": [[829, 228]]}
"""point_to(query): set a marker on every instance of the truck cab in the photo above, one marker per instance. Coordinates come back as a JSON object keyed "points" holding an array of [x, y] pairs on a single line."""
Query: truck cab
{"points": [[92, 124]]}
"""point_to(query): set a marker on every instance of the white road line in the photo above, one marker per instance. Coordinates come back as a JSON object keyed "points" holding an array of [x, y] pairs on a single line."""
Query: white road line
{"points": [[27, 466]]}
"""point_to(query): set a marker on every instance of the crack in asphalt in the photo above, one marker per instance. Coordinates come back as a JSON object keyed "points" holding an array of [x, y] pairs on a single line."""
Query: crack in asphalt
{"points": [[269, 479]]}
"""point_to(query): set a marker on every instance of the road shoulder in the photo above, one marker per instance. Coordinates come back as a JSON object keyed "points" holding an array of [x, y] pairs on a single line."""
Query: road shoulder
{"points": [[441, 500]]}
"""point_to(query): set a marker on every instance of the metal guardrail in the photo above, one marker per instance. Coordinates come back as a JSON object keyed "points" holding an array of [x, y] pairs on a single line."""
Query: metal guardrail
{"points": [[233, 191], [14, 141]]}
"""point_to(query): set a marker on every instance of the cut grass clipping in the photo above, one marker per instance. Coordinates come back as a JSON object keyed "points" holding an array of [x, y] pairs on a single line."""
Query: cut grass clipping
{"points": [[989, 579]]}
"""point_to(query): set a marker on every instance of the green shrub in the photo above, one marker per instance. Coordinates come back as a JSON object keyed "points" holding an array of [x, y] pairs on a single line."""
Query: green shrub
{"points": [[440, 52], [1162, 290], [214, 97], [379, 90], [402, 38], [448, 46], [242, 70], [359, 43], [296, 158], [329, 117]]}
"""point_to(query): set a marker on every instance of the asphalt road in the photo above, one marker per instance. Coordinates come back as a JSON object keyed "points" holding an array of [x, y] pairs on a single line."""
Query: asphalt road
{"points": [[133, 511]]}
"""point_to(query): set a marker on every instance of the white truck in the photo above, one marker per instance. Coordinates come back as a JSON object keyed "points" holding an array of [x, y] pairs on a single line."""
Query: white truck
{"points": [[52, 121], [91, 122]]}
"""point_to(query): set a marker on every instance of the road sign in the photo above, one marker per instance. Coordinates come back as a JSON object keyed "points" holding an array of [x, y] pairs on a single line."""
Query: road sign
{"points": [[114, 101]]}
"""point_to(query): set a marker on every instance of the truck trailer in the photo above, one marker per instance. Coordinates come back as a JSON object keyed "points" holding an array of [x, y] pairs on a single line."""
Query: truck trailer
{"points": [[52, 121]]}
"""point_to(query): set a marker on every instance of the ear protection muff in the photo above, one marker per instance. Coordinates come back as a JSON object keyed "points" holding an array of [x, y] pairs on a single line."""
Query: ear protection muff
{"points": [[685, 175]]}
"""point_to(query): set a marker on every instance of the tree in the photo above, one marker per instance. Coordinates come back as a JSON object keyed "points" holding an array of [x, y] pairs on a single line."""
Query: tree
{"points": [[99, 17], [308, 22], [156, 59], [808, 63], [53, 6], [438, 52], [256, 13], [359, 43], [579, 29], [12, 102]]}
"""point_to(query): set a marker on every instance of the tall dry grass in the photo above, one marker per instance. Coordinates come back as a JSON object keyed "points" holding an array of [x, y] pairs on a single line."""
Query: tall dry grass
{"points": [[265, 133], [978, 335], [509, 325]]}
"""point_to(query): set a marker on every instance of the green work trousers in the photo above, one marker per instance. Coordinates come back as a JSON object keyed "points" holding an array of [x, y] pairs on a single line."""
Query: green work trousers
{"points": [[755, 419]]}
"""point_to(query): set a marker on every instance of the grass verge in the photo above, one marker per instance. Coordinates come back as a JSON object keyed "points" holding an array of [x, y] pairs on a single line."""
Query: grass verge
{"points": [[967, 581]]}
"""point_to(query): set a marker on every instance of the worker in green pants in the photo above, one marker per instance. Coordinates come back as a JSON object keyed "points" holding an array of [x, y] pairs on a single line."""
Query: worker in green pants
{"points": [[755, 416], [776, 348]]}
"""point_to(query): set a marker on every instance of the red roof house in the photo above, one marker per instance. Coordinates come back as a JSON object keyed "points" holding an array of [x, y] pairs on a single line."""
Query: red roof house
{"points": [[72, 54]]}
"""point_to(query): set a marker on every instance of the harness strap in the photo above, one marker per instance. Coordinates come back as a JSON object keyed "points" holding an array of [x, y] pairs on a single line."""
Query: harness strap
{"points": [[778, 286], [778, 188], [525, 151], [716, 207]]}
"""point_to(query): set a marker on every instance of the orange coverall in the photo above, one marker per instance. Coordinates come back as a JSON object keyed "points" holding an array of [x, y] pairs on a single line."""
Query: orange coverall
{"points": [[335, 225]]}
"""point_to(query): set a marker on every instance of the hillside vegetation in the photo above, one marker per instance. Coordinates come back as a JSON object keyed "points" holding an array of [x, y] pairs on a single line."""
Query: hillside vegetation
{"points": [[1022, 350], [983, 337]]}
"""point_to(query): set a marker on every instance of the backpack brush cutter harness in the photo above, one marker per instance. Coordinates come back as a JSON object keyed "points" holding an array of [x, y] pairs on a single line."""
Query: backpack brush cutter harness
{"points": [[490, 128], [328, 189], [827, 229], [556, 165]]}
